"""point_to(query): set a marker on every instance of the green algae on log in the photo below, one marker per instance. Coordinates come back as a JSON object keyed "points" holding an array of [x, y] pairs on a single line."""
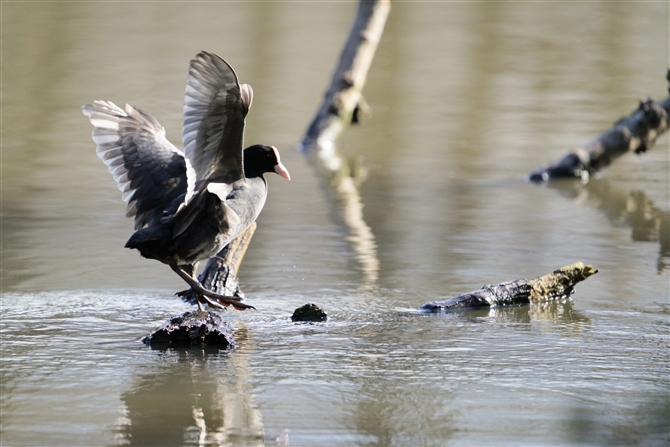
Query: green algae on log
{"points": [[557, 285], [196, 328]]}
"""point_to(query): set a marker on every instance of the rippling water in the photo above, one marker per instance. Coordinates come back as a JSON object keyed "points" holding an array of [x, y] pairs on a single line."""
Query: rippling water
{"points": [[467, 99], [383, 376]]}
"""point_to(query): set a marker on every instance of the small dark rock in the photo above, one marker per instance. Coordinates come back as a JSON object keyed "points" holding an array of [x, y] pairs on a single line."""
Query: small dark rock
{"points": [[309, 312], [196, 328]]}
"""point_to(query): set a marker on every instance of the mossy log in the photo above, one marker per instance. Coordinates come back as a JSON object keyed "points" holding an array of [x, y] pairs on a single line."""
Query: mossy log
{"points": [[636, 133], [557, 285]]}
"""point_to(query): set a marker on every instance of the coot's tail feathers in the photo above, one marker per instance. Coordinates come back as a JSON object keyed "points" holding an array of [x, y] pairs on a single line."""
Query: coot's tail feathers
{"points": [[149, 241]]}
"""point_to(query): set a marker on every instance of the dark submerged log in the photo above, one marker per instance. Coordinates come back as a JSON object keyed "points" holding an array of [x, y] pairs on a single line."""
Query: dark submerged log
{"points": [[309, 312], [192, 329], [557, 285], [636, 132]]}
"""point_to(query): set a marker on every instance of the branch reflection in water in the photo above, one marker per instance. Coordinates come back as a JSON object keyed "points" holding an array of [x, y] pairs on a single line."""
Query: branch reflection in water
{"points": [[199, 396], [339, 109], [558, 313], [630, 208], [347, 210]]}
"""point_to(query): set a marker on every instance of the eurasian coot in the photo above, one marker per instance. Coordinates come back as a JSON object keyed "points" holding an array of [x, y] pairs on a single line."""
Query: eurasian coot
{"points": [[188, 205]]}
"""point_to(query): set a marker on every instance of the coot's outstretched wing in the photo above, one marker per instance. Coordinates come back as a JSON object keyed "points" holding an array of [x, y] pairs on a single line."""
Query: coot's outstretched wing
{"points": [[215, 106], [150, 172]]}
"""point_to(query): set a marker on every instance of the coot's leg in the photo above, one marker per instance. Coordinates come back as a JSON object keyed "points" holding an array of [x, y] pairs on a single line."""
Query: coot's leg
{"points": [[216, 300], [190, 269]]}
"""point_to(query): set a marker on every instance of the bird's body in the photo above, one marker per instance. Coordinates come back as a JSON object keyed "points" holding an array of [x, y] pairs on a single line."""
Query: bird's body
{"points": [[188, 205], [207, 223]]}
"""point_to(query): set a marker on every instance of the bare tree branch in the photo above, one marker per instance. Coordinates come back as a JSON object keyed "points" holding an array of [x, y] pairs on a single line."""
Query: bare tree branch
{"points": [[636, 132], [220, 273], [344, 104]]}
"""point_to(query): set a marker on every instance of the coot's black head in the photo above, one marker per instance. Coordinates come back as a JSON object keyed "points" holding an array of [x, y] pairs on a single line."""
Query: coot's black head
{"points": [[259, 159]]}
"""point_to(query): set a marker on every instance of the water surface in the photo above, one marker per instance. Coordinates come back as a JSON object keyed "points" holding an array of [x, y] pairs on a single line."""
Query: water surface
{"points": [[467, 99]]}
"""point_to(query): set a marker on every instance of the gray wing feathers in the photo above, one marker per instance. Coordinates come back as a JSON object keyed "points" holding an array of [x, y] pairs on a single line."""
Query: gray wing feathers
{"points": [[149, 171], [215, 106]]}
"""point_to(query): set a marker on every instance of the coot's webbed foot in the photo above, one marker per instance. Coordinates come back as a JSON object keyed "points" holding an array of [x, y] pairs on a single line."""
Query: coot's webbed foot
{"points": [[206, 296], [192, 297], [188, 296]]}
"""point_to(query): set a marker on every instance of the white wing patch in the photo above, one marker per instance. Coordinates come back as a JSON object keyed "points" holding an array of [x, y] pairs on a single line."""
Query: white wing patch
{"points": [[221, 190]]}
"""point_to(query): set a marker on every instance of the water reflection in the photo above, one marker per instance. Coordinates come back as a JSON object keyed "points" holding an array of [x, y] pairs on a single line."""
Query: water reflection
{"points": [[397, 402], [644, 424], [630, 208], [196, 396], [347, 210], [464, 93], [556, 312]]}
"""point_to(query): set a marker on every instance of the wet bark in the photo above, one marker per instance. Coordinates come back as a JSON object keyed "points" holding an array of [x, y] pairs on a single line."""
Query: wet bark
{"points": [[196, 328], [220, 272], [557, 285], [636, 133]]}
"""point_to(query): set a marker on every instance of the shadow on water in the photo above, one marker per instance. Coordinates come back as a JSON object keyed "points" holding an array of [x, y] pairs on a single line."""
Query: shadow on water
{"points": [[196, 396], [624, 208]]}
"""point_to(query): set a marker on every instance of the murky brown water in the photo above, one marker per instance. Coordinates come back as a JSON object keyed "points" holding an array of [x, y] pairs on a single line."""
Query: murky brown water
{"points": [[467, 99]]}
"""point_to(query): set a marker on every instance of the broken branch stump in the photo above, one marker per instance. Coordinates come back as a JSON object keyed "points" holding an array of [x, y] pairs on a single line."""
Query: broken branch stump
{"points": [[220, 273]]}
